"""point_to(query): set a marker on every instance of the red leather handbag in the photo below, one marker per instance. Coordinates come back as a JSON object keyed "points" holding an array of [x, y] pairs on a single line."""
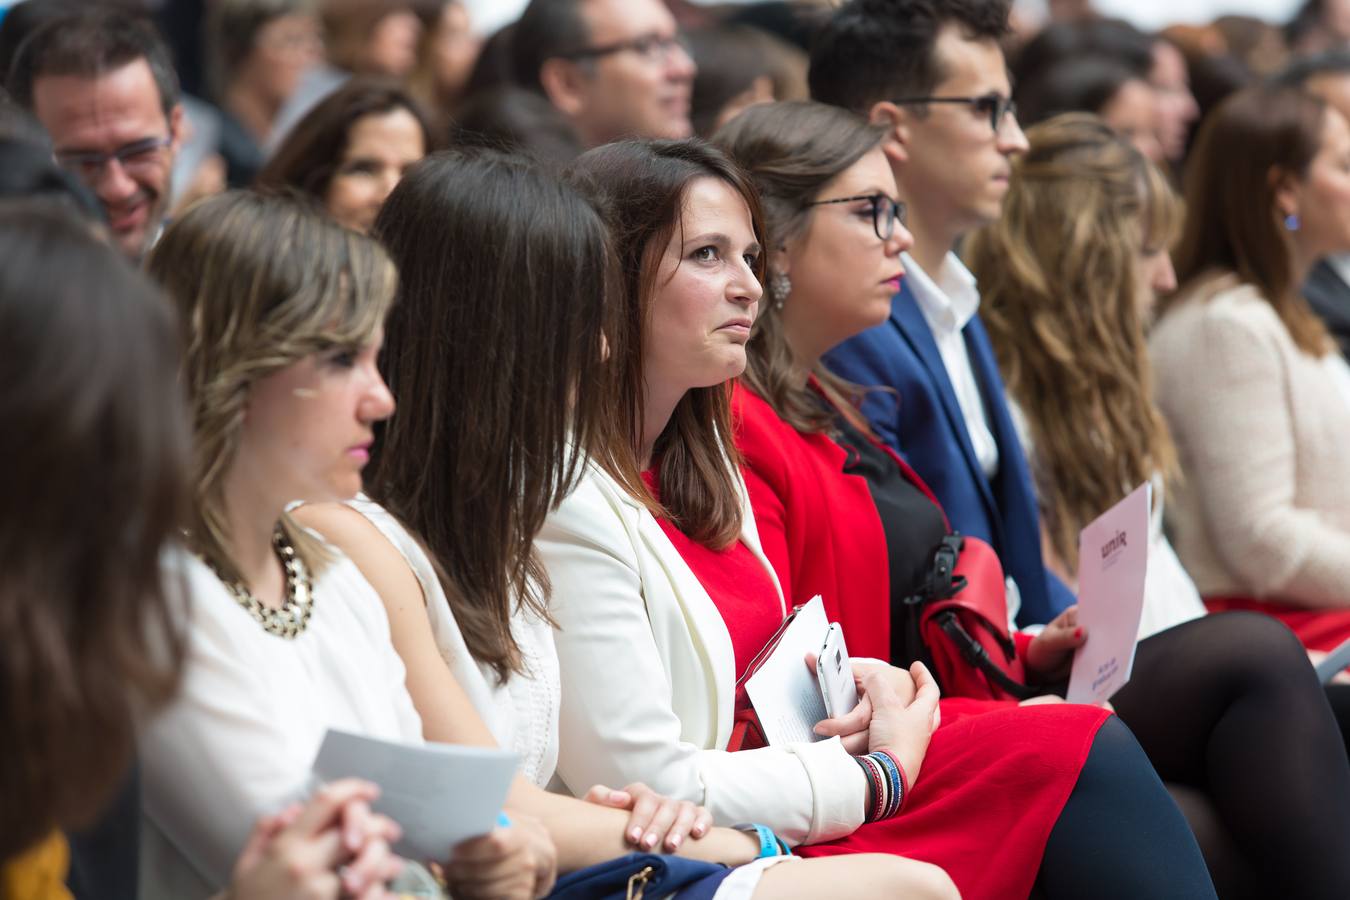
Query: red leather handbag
{"points": [[960, 619]]}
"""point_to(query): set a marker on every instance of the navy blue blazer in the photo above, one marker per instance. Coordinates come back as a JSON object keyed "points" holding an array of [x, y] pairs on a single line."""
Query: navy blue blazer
{"points": [[922, 421]]}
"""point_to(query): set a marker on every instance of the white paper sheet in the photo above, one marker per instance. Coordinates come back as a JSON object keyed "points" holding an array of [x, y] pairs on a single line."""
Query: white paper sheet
{"points": [[1112, 564], [440, 794], [785, 693]]}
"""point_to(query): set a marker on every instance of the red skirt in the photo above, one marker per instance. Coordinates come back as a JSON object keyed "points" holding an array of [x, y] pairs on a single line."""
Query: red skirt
{"points": [[1318, 629], [993, 783]]}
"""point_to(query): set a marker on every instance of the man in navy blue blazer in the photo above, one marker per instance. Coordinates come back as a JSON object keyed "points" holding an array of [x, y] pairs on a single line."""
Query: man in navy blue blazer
{"points": [[932, 73]]}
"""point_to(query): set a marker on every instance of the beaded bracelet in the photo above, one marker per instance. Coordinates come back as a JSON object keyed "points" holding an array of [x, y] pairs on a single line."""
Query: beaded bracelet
{"points": [[887, 786]]}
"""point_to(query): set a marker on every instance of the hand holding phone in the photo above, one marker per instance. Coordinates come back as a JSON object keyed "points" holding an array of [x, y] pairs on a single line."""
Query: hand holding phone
{"points": [[834, 671]]}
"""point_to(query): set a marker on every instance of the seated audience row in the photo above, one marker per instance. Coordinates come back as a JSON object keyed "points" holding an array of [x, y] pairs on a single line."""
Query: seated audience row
{"points": [[646, 408]]}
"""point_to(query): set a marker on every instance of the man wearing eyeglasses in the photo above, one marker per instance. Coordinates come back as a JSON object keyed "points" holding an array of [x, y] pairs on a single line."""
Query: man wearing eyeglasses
{"points": [[932, 73], [102, 85], [614, 68]]}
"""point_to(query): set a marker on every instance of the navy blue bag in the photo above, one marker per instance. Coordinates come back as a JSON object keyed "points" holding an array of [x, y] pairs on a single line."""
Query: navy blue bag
{"points": [[640, 875]]}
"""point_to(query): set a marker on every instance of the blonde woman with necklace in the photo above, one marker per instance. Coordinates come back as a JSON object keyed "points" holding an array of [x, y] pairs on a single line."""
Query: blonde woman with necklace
{"points": [[282, 311]]}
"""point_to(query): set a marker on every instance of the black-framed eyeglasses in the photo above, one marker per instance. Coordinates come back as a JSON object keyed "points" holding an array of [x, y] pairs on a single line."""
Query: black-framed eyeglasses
{"points": [[652, 48], [136, 156], [995, 106], [885, 212]]}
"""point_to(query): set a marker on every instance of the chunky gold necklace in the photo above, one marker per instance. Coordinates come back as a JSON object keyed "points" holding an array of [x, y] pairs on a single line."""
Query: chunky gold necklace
{"points": [[290, 620]]}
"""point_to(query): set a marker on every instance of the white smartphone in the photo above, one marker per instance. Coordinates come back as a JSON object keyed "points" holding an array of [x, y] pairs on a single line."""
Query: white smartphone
{"points": [[835, 673]]}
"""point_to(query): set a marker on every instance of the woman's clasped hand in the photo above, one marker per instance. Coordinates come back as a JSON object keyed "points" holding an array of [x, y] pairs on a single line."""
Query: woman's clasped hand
{"points": [[897, 712]]}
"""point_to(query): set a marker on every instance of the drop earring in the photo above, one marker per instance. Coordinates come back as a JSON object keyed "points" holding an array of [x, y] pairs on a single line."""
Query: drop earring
{"points": [[779, 286], [1291, 222]]}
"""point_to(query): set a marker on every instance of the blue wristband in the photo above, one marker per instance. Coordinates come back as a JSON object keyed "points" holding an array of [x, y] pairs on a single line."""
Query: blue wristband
{"points": [[503, 821], [769, 843]]}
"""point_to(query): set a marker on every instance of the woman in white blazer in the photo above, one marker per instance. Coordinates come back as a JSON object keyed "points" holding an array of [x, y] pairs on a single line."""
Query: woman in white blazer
{"points": [[1255, 394], [649, 663], [466, 610]]}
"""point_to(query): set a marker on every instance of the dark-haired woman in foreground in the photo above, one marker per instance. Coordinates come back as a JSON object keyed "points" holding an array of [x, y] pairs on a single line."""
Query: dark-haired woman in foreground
{"points": [[661, 575], [499, 366]]}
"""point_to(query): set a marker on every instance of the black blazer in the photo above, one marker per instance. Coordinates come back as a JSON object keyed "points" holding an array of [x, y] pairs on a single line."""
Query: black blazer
{"points": [[1329, 296]]}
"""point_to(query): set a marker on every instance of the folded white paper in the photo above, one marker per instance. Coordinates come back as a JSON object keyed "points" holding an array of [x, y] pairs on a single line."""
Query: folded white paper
{"points": [[1112, 565], [439, 794], [784, 692]]}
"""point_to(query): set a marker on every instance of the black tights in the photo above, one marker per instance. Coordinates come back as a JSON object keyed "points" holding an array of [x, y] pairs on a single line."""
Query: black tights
{"points": [[1120, 835], [1228, 704], [1338, 695]]}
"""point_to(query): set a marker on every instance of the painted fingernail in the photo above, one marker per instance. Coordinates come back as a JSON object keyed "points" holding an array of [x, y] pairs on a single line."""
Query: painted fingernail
{"points": [[674, 842], [634, 834], [649, 841], [1078, 632]]}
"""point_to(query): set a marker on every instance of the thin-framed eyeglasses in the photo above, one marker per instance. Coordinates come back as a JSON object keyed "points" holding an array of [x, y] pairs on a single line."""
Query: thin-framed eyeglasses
{"points": [[995, 106], [652, 48], [885, 211], [138, 156]]}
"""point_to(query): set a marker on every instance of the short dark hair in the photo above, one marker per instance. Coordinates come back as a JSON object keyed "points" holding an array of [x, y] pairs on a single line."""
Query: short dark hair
{"points": [[639, 188], [310, 155], [1076, 84], [872, 50], [521, 121], [22, 20], [90, 642], [546, 29], [1058, 42], [1306, 68], [496, 359], [89, 44]]}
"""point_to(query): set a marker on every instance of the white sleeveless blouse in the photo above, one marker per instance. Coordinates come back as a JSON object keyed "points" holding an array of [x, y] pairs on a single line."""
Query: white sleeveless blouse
{"points": [[522, 713]]}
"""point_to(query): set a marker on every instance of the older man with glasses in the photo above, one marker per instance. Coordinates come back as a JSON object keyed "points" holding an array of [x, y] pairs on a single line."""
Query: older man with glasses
{"points": [[102, 85], [613, 68]]}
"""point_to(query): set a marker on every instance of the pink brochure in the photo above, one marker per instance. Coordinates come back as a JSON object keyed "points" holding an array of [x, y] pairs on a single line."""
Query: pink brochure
{"points": [[1112, 563]]}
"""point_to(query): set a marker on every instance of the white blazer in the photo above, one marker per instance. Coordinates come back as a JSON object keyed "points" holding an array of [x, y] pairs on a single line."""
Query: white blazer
{"points": [[648, 677]]}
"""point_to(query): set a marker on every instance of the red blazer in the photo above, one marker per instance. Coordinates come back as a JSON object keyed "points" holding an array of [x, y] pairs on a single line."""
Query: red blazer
{"points": [[818, 526]]}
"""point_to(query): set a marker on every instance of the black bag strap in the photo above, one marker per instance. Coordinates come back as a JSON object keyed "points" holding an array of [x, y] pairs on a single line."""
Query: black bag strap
{"points": [[974, 654]]}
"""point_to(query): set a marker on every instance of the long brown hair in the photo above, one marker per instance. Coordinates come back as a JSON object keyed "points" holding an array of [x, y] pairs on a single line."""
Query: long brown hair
{"points": [[639, 188], [497, 360], [792, 150], [94, 480], [260, 282], [1059, 299], [1233, 224]]}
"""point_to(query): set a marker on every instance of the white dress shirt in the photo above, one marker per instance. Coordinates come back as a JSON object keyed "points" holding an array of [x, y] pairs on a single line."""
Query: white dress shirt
{"points": [[948, 303]]}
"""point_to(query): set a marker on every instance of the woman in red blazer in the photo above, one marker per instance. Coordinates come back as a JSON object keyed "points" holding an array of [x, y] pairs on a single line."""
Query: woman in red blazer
{"points": [[1227, 704]]}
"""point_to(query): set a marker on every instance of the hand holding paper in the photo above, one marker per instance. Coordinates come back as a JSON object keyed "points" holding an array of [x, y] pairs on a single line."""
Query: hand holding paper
{"points": [[439, 794], [1112, 563]]}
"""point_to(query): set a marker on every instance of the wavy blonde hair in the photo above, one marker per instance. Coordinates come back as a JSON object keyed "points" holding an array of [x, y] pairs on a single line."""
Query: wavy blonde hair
{"points": [[260, 282], [1060, 301]]}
